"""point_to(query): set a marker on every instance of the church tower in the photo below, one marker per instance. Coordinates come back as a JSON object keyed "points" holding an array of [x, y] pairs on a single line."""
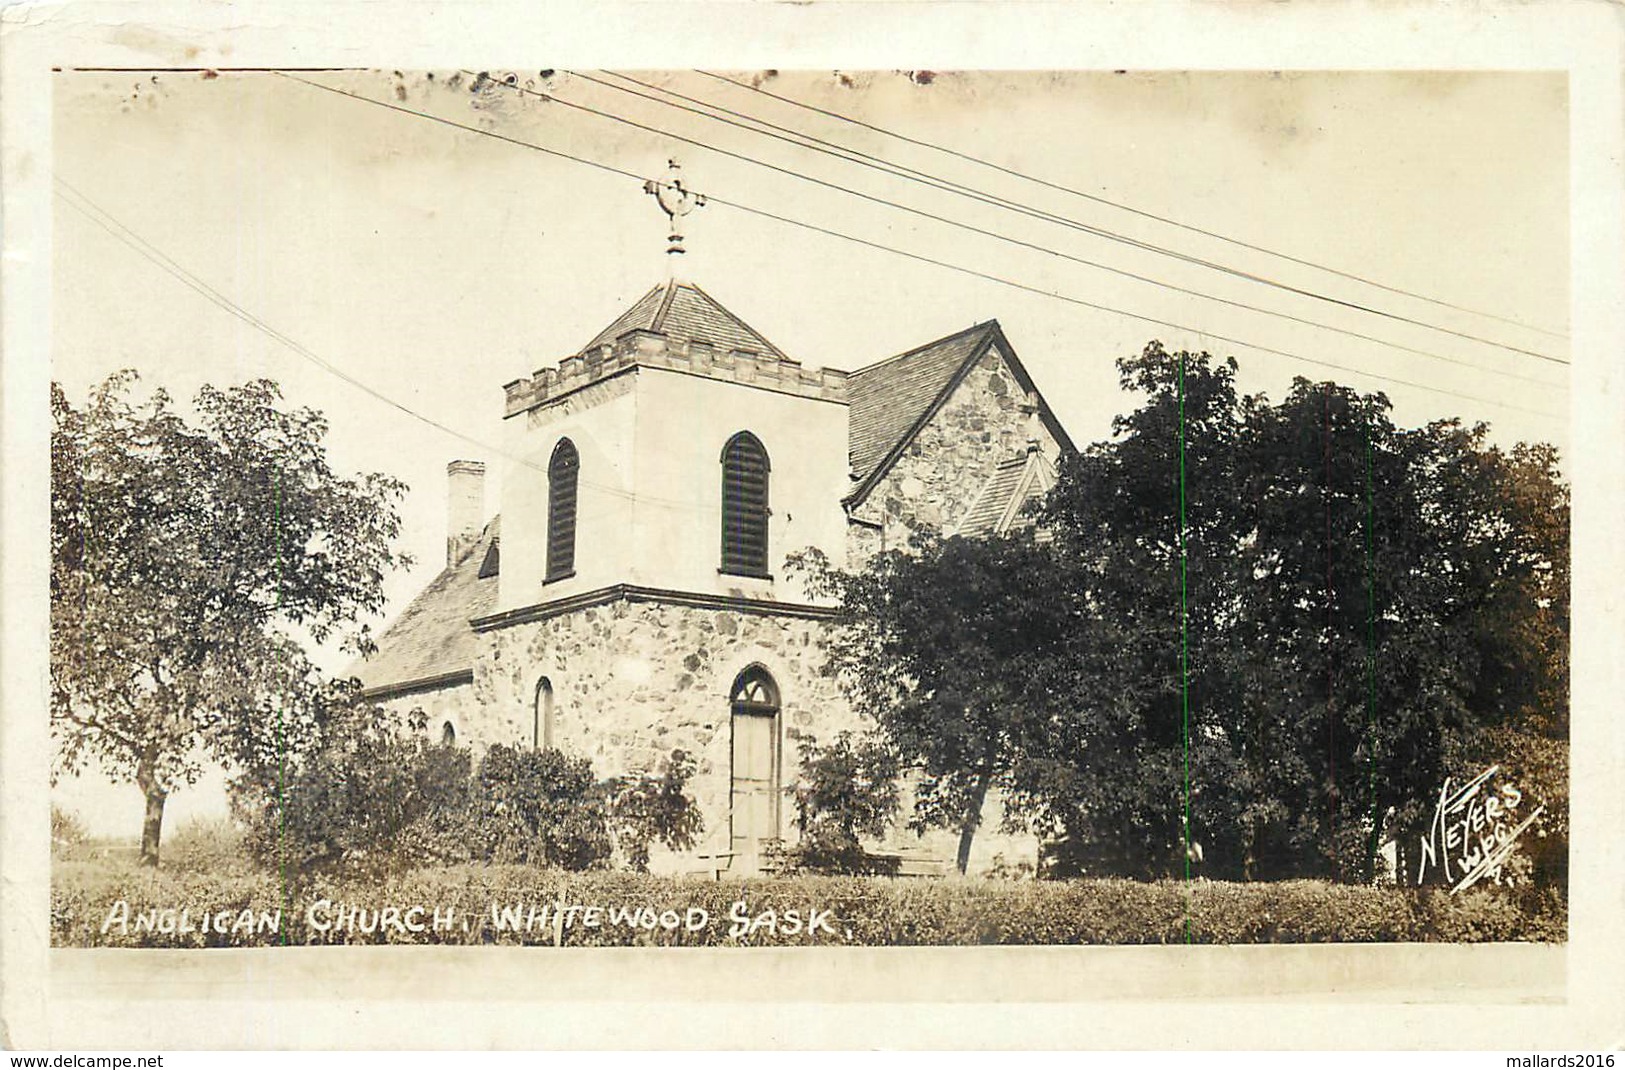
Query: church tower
{"points": [[679, 450]]}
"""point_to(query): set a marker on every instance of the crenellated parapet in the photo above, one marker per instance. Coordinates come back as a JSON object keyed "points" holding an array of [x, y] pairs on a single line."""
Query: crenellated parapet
{"points": [[653, 349]]}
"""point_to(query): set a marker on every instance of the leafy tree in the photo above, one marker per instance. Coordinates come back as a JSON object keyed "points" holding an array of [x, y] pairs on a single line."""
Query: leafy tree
{"points": [[847, 790], [949, 649], [541, 807], [1146, 593], [365, 796], [1291, 616], [186, 555], [654, 808]]}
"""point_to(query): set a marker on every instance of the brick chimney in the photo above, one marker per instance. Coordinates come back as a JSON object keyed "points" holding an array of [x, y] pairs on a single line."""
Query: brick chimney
{"points": [[465, 506]]}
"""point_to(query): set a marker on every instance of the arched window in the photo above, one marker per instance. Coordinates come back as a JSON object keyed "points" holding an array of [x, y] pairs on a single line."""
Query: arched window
{"points": [[754, 794], [543, 728], [561, 511], [744, 506], [448, 735]]}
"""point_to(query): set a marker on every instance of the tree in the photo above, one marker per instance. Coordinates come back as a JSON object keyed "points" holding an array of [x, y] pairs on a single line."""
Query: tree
{"points": [[1292, 616], [1147, 559], [949, 649], [650, 808], [847, 790], [186, 560]]}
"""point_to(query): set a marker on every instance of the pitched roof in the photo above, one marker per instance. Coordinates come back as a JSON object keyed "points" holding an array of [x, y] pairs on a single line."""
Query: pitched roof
{"points": [[993, 502], [683, 310], [997, 507], [889, 398], [432, 636], [892, 400]]}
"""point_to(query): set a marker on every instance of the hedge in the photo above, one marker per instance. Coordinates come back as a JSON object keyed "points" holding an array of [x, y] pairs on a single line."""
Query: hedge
{"points": [[520, 905]]}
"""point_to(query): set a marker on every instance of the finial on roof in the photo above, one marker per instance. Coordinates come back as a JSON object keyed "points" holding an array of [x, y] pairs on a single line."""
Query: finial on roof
{"points": [[676, 200], [1035, 423]]}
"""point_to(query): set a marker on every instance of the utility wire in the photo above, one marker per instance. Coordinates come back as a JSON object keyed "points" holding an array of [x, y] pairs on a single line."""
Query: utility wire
{"points": [[920, 257], [1033, 246], [863, 159], [104, 219], [1125, 207]]}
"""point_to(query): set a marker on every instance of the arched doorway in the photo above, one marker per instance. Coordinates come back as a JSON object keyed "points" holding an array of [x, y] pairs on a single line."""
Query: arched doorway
{"points": [[753, 803]]}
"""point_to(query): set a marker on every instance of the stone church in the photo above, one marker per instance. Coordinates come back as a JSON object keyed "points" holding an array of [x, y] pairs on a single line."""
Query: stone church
{"points": [[631, 597]]}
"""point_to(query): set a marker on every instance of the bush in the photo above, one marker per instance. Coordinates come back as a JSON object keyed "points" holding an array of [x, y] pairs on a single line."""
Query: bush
{"points": [[847, 790], [517, 905], [654, 808], [366, 797], [540, 807], [66, 828], [208, 845]]}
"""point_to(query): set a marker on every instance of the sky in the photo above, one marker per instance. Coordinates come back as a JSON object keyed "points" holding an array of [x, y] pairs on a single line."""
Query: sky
{"points": [[433, 264]]}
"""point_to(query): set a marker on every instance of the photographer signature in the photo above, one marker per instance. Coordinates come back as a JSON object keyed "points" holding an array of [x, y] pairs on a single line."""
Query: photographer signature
{"points": [[1474, 831]]}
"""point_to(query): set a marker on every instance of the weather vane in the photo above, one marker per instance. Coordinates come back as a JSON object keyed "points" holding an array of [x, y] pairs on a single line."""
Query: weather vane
{"points": [[676, 201]]}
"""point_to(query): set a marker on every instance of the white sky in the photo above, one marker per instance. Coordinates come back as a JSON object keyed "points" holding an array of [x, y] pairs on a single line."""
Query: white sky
{"points": [[436, 264]]}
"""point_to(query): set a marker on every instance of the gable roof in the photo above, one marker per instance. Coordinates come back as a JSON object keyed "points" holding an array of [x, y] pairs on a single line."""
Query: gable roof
{"points": [[683, 310], [894, 398], [432, 638], [994, 500], [887, 399], [997, 507]]}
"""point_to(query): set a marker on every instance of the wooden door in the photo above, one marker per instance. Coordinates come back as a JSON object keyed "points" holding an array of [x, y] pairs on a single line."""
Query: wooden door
{"points": [[754, 798]]}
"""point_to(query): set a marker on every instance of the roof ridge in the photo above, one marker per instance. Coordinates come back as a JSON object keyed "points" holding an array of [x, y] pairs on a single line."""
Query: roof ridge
{"points": [[994, 323], [658, 323], [976, 341]]}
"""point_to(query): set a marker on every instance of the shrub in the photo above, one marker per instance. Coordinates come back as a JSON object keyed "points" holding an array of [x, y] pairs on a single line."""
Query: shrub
{"points": [[208, 845], [847, 790], [365, 797], [541, 807], [66, 828], [862, 910], [654, 808]]}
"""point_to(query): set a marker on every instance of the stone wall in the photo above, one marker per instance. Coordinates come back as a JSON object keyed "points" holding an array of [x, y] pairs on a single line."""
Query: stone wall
{"points": [[936, 480], [634, 681]]}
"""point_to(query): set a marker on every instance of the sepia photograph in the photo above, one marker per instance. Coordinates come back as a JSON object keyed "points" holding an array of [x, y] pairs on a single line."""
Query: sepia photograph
{"points": [[1232, 604], [787, 515]]}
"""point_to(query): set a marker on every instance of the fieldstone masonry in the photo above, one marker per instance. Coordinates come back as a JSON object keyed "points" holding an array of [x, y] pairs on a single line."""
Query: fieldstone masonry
{"points": [[634, 681], [937, 478]]}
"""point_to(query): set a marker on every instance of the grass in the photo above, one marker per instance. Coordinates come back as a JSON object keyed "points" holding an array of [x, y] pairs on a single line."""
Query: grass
{"points": [[204, 873]]}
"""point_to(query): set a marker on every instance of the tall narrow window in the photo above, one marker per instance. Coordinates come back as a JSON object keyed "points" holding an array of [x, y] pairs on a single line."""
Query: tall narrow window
{"points": [[744, 506], [561, 511], [543, 739]]}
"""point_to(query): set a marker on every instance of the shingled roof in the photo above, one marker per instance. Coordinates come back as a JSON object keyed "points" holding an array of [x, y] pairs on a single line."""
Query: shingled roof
{"points": [[432, 638], [683, 311], [891, 400], [998, 504]]}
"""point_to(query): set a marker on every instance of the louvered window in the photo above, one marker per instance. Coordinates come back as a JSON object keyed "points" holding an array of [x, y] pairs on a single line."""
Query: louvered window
{"points": [[561, 511], [744, 506]]}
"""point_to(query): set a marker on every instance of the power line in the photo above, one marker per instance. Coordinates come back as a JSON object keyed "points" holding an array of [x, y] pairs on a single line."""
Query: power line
{"points": [[108, 222], [763, 213], [1129, 208], [1037, 247], [864, 159]]}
